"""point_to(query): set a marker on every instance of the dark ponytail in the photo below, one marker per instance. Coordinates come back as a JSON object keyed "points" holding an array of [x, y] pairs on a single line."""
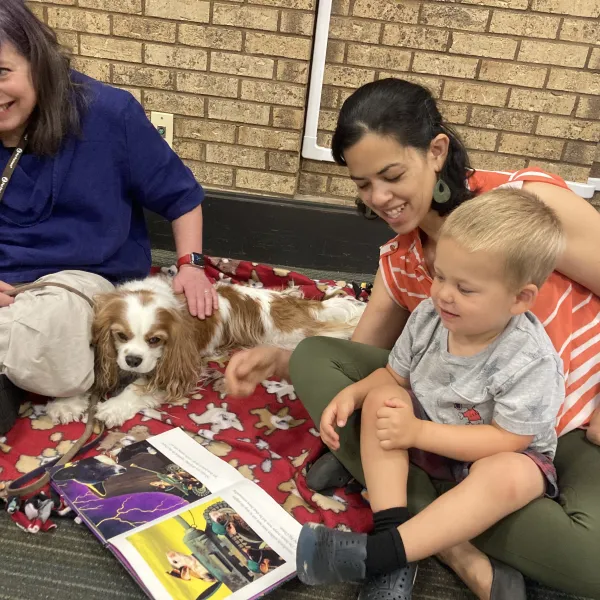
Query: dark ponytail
{"points": [[408, 113]]}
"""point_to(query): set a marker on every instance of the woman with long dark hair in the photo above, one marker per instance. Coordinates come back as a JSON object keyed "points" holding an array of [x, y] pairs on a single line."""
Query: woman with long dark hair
{"points": [[412, 170], [80, 162]]}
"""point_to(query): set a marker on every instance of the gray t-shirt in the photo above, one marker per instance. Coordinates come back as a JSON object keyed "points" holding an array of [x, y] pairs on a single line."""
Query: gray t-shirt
{"points": [[517, 381]]}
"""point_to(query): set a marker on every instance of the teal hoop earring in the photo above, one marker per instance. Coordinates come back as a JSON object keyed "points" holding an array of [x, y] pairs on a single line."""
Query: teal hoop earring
{"points": [[441, 192]]}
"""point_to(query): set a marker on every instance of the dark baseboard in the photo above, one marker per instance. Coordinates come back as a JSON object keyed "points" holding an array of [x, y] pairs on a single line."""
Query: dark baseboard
{"points": [[287, 232]]}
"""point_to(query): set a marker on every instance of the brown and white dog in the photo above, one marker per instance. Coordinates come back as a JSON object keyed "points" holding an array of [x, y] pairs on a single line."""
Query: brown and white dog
{"points": [[149, 348]]}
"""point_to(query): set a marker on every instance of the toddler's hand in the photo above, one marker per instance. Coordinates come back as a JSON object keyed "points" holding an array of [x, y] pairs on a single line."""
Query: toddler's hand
{"points": [[336, 414], [397, 426]]}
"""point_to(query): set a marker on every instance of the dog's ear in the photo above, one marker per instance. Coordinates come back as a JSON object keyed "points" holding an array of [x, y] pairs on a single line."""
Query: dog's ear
{"points": [[178, 369], [106, 371]]}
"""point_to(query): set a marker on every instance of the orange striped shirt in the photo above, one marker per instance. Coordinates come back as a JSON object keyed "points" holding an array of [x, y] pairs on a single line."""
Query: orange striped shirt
{"points": [[570, 313]]}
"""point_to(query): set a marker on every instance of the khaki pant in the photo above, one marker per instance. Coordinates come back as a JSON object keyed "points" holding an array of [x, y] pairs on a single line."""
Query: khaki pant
{"points": [[45, 336]]}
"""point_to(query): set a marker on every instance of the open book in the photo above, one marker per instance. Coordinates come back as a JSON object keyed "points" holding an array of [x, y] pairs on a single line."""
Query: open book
{"points": [[183, 522]]}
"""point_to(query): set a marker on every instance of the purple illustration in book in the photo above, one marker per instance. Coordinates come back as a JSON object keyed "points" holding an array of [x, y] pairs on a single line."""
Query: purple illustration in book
{"points": [[117, 495]]}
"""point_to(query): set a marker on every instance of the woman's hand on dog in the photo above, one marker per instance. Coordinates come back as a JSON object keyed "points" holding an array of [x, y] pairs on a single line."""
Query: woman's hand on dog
{"points": [[199, 292], [336, 415], [248, 368]]}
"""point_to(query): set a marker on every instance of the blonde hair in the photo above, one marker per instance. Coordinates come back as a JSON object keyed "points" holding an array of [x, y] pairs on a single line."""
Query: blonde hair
{"points": [[514, 224]]}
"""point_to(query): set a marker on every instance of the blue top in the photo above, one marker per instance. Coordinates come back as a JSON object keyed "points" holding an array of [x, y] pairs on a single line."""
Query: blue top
{"points": [[83, 209]]}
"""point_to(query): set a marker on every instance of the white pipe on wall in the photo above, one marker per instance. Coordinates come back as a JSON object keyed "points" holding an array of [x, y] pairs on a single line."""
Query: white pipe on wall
{"points": [[310, 146]]}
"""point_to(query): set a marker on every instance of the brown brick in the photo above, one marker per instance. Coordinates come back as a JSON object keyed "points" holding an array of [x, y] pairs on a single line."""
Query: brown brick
{"points": [[250, 17], [299, 4], [277, 45], [335, 51], [204, 130], [455, 17], [568, 172], [269, 138], [178, 104], [573, 129], [98, 69], [234, 110], [478, 139], [582, 82], [328, 120], [110, 47], [542, 101], [207, 85], [68, 40], [475, 93], [31, 4], [296, 22], [580, 152], [588, 108], [378, 57], [441, 64], [387, 10], [78, 20], [238, 156], [342, 186], [354, 30], [143, 76], [526, 25], [133, 7], [181, 10], [514, 4], [512, 73], [287, 162], [327, 168], [432, 83], [594, 63], [491, 46], [577, 8], [242, 65], [273, 93], [498, 118], [38, 10], [553, 53], [210, 37], [211, 175], [340, 7], [292, 71], [453, 113], [527, 145], [579, 30], [310, 183], [143, 29], [288, 118], [189, 149], [406, 36], [330, 97], [135, 92], [265, 182], [351, 77], [176, 56], [492, 161]]}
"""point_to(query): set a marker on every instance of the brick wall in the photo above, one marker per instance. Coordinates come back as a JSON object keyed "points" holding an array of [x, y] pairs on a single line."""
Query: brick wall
{"points": [[518, 78]]}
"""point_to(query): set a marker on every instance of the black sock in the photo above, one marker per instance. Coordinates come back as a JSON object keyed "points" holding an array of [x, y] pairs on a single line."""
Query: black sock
{"points": [[385, 552], [389, 518]]}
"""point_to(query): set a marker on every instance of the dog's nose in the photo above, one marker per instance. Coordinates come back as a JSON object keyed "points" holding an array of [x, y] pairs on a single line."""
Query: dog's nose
{"points": [[133, 361]]}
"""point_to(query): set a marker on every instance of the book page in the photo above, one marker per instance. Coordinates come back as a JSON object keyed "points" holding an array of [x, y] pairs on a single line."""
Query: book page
{"points": [[142, 482], [237, 544]]}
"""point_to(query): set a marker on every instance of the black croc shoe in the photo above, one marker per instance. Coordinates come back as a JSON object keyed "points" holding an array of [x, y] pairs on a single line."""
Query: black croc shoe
{"points": [[11, 398], [327, 472], [397, 585], [507, 583]]}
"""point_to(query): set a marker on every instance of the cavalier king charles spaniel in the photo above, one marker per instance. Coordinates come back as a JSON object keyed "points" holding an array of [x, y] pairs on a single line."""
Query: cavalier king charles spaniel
{"points": [[149, 349]]}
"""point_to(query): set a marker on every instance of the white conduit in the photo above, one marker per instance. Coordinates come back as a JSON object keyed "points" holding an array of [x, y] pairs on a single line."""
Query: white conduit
{"points": [[310, 147]]}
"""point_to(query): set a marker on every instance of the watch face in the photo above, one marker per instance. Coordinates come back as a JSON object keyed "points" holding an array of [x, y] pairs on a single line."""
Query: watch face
{"points": [[197, 259]]}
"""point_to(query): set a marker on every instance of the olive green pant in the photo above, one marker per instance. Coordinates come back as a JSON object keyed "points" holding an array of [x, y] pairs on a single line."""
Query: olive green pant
{"points": [[554, 542]]}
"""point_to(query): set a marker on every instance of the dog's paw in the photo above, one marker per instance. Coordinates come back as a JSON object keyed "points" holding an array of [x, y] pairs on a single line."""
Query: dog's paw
{"points": [[67, 410], [114, 414]]}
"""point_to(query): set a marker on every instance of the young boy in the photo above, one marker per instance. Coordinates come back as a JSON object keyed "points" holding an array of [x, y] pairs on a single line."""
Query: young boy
{"points": [[470, 394]]}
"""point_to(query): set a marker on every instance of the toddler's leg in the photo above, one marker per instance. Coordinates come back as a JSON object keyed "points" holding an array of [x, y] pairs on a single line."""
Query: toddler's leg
{"points": [[593, 432]]}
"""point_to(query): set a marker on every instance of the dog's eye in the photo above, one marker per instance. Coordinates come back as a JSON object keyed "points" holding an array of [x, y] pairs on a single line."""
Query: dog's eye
{"points": [[154, 340], [121, 337]]}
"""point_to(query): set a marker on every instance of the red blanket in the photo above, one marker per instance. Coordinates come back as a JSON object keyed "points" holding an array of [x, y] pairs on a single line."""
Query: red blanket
{"points": [[269, 437]]}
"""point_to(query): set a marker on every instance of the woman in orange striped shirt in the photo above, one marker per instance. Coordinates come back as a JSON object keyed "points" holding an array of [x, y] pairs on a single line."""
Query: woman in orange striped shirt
{"points": [[412, 170]]}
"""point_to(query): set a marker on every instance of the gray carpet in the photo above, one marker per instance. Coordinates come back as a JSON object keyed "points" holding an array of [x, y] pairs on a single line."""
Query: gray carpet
{"points": [[71, 564]]}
